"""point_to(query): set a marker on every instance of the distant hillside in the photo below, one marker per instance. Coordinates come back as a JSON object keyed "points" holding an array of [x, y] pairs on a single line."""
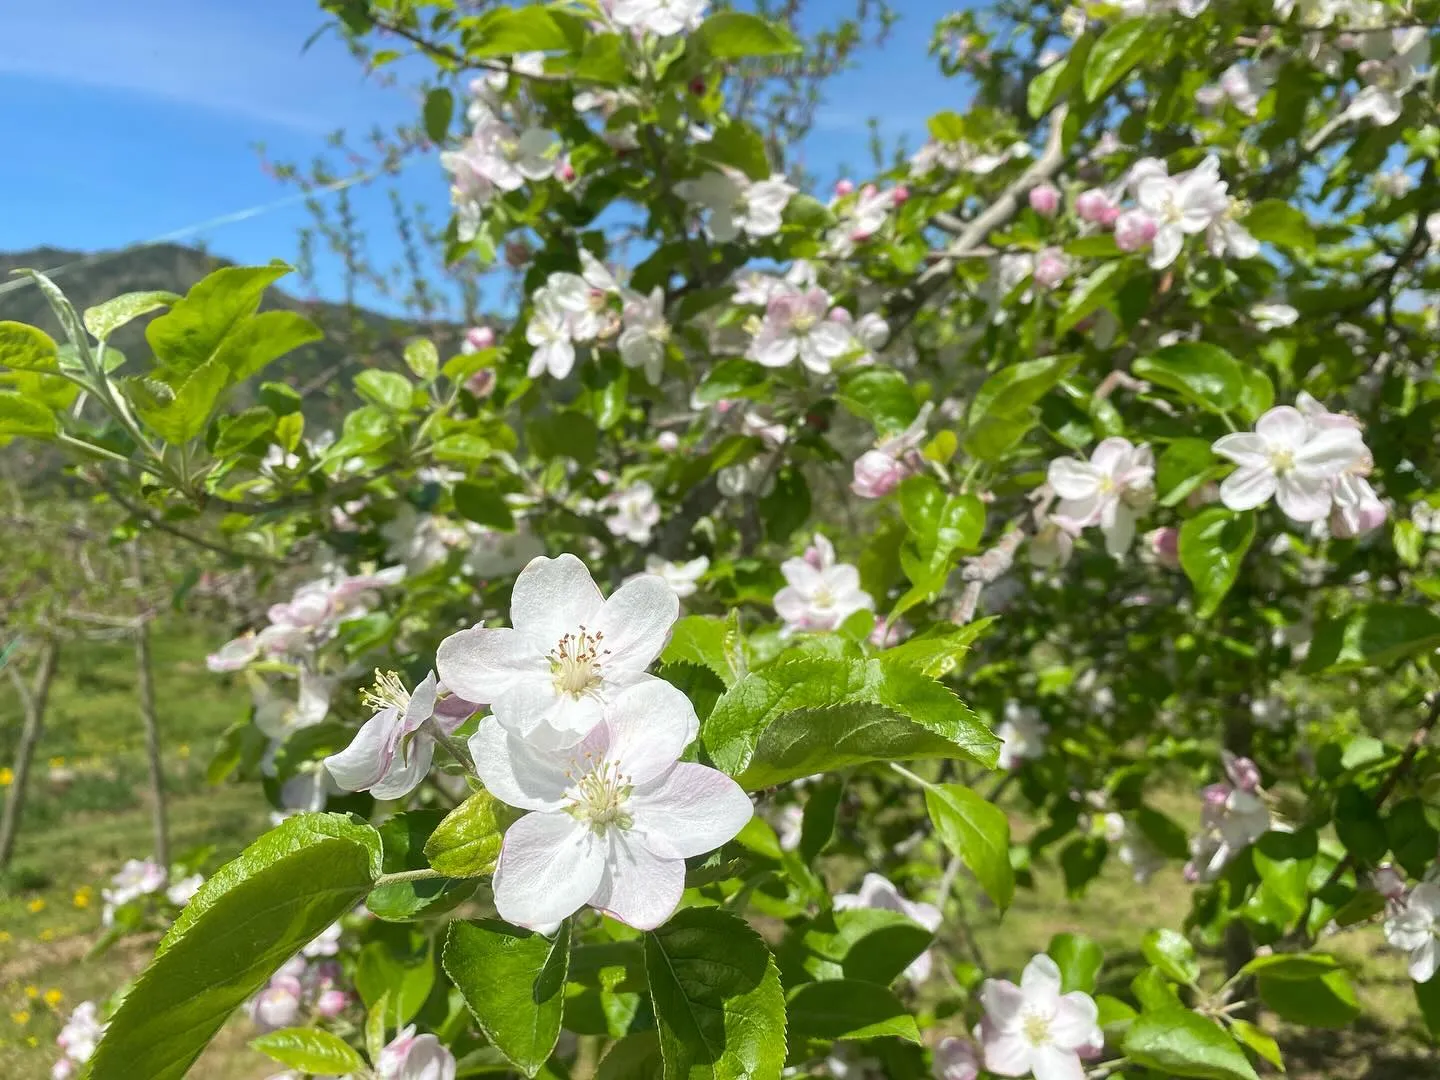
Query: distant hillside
{"points": [[353, 338]]}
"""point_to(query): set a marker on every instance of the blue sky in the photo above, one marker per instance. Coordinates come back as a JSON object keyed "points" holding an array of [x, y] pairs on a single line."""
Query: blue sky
{"points": [[126, 122]]}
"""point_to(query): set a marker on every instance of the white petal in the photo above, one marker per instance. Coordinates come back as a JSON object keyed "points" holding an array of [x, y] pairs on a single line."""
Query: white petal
{"points": [[365, 760], [1071, 478], [1424, 961], [404, 776], [1040, 983], [1331, 451], [1049, 1062], [1166, 246], [550, 865], [536, 712], [1303, 498], [517, 773], [636, 622], [421, 705], [1243, 448], [690, 810], [552, 598], [1120, 533], [1111, 455], [638, 887], [1006, 1053], [1283, 426], [1247, 488], [647, 727], [1003, 1003], [485, 663], [1075, 1020]]}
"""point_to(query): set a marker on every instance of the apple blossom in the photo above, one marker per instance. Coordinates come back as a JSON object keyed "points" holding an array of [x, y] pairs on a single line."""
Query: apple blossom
{"points": [[1035, 1030], [646, 333], [1052, 266], [1165, 546], [611, 819], [796, 326], [81, 1032], [325, 943], [1388, 882], [821, 593], [391, 753], [415, 1057], [859, 219], [137, 878], [549, 332], [679, 576], [954, 1059], [877, 891], [1044, 199], [1391, 67], [736, 205], [634, 512], [1273, 316], [278, 1005], [1134, 230], [1414, 927], [331, 1003], [182, 891], [569, 649], [477, 338], [1180, 205], [1093, 205], [1233, 817], [1022, 736], [877, 474], [1134, 849], [662, 17], [1290, 459], [1053, 542], [1109, 490]]}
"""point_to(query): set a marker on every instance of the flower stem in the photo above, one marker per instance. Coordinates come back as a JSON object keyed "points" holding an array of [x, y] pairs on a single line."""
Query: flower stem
{"points": [[408, 875], [452, 746]]}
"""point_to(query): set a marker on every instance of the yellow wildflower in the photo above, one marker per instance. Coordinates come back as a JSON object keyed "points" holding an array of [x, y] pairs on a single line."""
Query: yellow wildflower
{"points": [[83, 896], [21, 1017], [46, 935], [4, 937], [32, 991], [37, 905], [7, 776], [57, 763], [53, 998], [183, 751]]}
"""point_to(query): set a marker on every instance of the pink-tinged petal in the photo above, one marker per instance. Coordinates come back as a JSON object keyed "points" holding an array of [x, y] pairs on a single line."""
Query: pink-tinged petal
{"points": [[1082, 512], [1330, 452], [804, 578], [1283, 426], [1243, 448], [1051, 1063], [1111, 455], [921, 967], [1040, 982], [1071, 478], [636, 623], [790, 605], [552, 598], [1303, 498], [483, 664], [1247, 487], [638, 887], [1003, 1003], [647, 727], [1076, 1021], [407, 769], [361, 764], [927, 915], [516, 772], [843, 580], [421, 705], [688, 811], [550, 865], [1007, 1053]]}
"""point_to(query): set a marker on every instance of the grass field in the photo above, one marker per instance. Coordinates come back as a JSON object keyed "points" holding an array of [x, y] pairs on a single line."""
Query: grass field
{"points": [[89, 813]]}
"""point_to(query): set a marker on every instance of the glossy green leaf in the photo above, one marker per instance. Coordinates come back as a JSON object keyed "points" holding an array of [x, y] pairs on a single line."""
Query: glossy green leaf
{"points": [[1212, 546], [849, 1009], [19, 416], [403, 838], [1204, 373], [1275, 221], [882, 396], [1373, 635], [27, 348], [869, 944], [1291, 966], [388, 389], [187, 335], [1011, 391], [709, 642], [309, 1050], [1172, 953], [484, 505], [1325, 1002], [1177, 1042], [1116, 51], [506, 31], [978, 832], [467, 843], [1078, 959], [735, 35], [439, 107]]}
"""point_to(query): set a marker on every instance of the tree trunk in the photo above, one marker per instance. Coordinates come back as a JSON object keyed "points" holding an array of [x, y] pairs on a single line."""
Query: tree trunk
{"points": [[34, 704], [145, 676]]}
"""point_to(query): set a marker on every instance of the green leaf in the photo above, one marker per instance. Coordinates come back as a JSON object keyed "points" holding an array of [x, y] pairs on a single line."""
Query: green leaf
{"points": [[817, 823], [1058, 79], [258, 341], [187, 335], [717, 998], [1009, 393], [1090, 293], [514, 983], [484, 505], [507, 31], [1326, 1002], [739, 145], [1172, 953], [21, 417], [818, 714], [635, 1057], [1263, 1045], [27, 348], [709, 642], [731, 378], [882, 396], [403, 838], [102, 320], [1274, 221], [869, 944], [180, 413], [1257, 393], [1427, 997], [1212, 546], [734, 35], [309, 1050], [1181, 468], [467, 843], [563, 434], [388, 389], [1302, 966], [1177, 1042], [1078, 959], [849, 1009], [1206, 374], [939, 651], [1374, 635], [249, 918], [239, 431], [399, 970], [979, 833], [1118, 49], [439, 106], [994, 437]]}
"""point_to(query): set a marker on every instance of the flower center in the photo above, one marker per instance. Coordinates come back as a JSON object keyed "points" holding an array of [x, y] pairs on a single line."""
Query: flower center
{"points": [[1108, 485], [387, 693], [805, 322], [599, 796], [1282, 460], [824, 598], [1037, 1029], [575, 663]]}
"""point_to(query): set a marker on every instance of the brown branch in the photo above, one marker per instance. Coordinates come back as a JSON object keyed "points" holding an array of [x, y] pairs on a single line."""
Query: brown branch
{"points": [[150, 518]]}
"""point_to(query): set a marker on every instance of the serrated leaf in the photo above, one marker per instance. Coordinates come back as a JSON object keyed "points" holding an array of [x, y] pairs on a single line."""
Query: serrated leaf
{"points": [[882, 396], [1172, 953], [250, 917], [1078, 959], [872, 945], [717, 998], [387, 389], [1177, 1042], [1090, 293], [404, 838], [102, 320], [262, 339], [708, 642], [1204, 373], [309, 1050], [180, 414], [939, 651], [1373, 635], [978, 832], [467, 842], [1326, 1002]]}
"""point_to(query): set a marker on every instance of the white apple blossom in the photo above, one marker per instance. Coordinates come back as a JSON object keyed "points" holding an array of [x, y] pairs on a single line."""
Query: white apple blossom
{"points": [[681, 577], [391, 753], [633, 513], [662, 17], [954, 1059], [1393, 63], [137, 878], [877, 891], [1290, 459], [1021, 734], [1414, 927], [797, 325], [1035, 1030], [415, 1057], [183, 891], [736, 205], [858, 219], [821, 593], [1134, 849], [567, 652], [611, 819], [81, 1033], [1181, 205], [277, 1006], [549, 332], [1234, 816], [1109, 490], [646, 333]]}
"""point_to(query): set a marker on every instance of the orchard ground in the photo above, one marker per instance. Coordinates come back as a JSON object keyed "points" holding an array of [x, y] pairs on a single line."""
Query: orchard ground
{"points": [[89, 813]]}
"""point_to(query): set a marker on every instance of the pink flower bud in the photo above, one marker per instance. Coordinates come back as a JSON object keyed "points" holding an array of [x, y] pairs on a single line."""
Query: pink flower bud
{"points": [[1245, 774], [724, 405], [1045, 200], [565, 171], [481, 383], [668, 441], [1215, 796], [1092, 205], [1165, 543], [1111, 215], [1051, 267], [955, 1059], [900, 194], [840, 315], [64, 1069], [332, 1003], [1134, 229], [477, 338], [877, 474], [887, 637], [1388, 882], [1358, 521], [1191, 873], [844, 187]]}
